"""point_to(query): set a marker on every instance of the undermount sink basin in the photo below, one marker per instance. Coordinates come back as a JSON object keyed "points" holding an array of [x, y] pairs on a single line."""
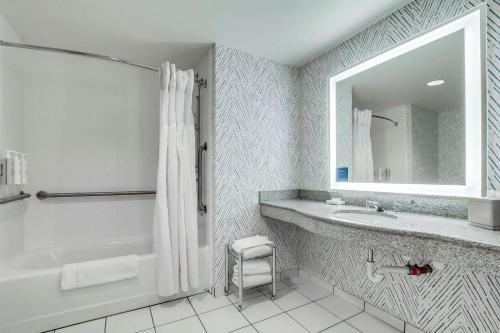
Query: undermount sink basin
{"points": [[364, 215]]}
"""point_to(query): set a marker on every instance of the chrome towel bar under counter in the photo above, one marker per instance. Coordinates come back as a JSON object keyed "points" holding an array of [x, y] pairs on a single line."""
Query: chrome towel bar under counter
{"points": [[42, 195], [17, 197]]}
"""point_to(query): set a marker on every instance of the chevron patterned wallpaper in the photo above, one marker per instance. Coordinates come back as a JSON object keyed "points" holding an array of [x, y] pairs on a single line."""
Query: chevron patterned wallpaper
{"points": [[256, 148], [450, 300], [271, 133], [409, 21]]}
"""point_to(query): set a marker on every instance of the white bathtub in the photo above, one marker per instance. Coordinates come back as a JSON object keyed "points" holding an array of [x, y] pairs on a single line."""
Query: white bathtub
{"points": [[31, 299]]}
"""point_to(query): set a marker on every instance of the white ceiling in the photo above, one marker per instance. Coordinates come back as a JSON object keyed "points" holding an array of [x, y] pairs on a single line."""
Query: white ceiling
{"points": [[150, 31], [403, 80]]}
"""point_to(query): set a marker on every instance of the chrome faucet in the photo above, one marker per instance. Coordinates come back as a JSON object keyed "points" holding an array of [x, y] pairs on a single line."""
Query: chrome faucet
{"points": [[375, 205]]}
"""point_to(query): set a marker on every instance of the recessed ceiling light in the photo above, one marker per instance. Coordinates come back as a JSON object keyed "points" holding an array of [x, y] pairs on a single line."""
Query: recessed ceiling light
{"points": [[435, 83]]}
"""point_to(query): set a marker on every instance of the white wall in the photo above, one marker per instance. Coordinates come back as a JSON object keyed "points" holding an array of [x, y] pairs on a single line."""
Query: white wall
{"points": [[11, 137], [205, 70], [90, 125], [390, 143]]}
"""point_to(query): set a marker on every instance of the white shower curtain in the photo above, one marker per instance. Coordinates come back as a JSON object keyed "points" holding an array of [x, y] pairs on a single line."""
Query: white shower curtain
{"points": [[175, 215], [362, 146]]}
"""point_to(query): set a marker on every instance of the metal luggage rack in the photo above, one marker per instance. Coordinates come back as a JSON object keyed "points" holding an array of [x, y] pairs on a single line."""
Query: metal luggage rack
{"points": [[239, 257]]}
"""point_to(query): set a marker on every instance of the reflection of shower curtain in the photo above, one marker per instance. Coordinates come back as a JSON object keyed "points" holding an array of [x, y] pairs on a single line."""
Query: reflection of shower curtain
{"points": [[362, 146], [175, 216]]}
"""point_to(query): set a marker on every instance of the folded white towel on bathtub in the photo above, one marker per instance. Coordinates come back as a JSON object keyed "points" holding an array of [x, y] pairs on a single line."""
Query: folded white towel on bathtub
{"points": [[91, 273], [251, 267]]}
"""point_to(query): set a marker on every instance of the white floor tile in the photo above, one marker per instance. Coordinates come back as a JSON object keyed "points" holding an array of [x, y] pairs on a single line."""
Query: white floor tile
{"points": [[191, 325], [281, 323], [94, 326], [295, 281], [247, 295], [348, 297], [129, 322], [341, 328], [259, 308], [313, 317], [312, 291], [280, 285], [206, 302], [171, 311], [223, 320], [385, 317], [289, 299], [339, 307], [366, 323], [248, 329]]}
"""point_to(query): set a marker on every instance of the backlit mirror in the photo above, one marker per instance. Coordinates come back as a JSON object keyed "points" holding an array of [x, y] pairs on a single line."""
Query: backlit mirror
{"points": [[409, 120]]}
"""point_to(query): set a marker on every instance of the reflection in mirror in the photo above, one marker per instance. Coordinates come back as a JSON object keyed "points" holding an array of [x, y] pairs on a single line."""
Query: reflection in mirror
{"points": [[402, 121]]}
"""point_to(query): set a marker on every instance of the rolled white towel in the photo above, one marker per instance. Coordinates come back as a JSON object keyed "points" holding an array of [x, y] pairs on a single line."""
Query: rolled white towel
{"points": [[250, 242], [252, 267], [90, 273], [253, 280]]}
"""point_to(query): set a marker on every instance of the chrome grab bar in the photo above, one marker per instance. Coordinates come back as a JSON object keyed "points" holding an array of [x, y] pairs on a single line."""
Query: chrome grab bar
{"points": [[20, 196], [42, 195], [202, 208]]}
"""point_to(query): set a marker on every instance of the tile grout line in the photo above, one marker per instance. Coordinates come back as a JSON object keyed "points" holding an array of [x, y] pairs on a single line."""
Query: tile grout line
{"points": [[118, 313], [345, 322], [152, 319], [197, 316], [175, 321], [260, 321], [297, 322], [360, 310]]}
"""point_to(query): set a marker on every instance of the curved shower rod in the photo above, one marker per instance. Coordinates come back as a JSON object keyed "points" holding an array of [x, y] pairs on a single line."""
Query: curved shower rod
{"points": [[199, 81], [385, 118]]}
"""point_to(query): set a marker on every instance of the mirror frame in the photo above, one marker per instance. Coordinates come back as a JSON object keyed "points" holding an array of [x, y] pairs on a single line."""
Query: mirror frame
{"points": [[474, 26]]}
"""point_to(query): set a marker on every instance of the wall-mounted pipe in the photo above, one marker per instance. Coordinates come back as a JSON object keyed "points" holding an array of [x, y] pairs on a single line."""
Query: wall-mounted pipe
{"points": [[376, 275]]}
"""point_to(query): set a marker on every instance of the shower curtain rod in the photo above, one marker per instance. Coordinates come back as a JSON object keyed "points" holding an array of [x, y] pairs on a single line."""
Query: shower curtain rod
{"points": [[385, 118], [200, 82]]}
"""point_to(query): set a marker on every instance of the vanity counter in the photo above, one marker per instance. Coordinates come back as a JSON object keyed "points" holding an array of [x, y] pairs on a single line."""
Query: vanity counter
{"points": [[428, 237]]}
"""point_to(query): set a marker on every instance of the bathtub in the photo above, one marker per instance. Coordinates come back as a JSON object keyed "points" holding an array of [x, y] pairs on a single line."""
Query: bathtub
{"points": [[31, 299]]}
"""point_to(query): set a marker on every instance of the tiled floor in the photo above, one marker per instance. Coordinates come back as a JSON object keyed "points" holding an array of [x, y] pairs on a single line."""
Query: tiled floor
{"points": [[300, 306]]}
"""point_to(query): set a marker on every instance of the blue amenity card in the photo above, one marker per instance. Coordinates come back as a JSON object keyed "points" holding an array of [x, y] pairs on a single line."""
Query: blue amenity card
{"points": [[343, 174]]}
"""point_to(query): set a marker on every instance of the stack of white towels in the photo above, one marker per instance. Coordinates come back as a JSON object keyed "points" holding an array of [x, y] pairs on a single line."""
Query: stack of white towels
{"points": [[256, 271]]}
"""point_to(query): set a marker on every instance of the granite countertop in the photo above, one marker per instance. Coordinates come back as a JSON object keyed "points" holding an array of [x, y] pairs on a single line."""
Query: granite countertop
{"points": [[426, 226]]}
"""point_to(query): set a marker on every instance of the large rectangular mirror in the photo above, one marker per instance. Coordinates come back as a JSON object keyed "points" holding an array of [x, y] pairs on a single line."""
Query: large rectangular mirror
{"points": [[410, 119]]}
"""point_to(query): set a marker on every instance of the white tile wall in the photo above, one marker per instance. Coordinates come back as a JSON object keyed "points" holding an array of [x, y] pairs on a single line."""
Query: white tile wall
{"points": [[89, 126], [11, 129]]}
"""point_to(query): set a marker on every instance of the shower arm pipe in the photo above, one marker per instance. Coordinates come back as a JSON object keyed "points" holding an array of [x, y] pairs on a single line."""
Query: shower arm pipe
{"points": [[376, 275], [200, 82]]}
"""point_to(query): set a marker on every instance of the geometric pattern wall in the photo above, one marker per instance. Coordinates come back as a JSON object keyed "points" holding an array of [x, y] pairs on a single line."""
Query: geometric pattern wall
{"points": [[450, 300], [451, 125], [257, 129], [403, 24], [271, 133]]}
